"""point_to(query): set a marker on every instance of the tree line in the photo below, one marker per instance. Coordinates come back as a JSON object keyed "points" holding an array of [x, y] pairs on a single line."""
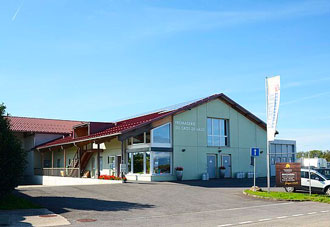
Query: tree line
{"points": [[315, 154]]}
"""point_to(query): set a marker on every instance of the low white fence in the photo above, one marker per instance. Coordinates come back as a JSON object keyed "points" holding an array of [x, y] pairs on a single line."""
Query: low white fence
{"points": [[59, 172], [62, 181]]}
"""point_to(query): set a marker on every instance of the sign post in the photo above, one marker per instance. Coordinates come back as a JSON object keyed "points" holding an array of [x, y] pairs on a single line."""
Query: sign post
{"points": [[255, 152], [272, 106], [309, 174], [254, 172]]}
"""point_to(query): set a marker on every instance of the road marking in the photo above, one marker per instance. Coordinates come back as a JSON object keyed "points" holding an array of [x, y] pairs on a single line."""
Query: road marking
{"points": [[267, 205], [312, 213], [324, 211], [244, 222], [265, 219], [282, 217], [269, 219], [209, 211]]}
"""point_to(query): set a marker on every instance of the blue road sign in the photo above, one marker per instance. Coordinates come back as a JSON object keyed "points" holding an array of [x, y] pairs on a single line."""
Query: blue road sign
{"points": [[255, 151]]}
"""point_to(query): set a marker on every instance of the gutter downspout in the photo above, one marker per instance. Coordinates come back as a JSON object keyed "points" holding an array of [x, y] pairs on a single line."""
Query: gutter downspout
{"points": [[123, 160], [98, 161]]}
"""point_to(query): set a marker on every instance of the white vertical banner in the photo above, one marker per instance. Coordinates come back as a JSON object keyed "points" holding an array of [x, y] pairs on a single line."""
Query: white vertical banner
{"points": [[273, 103]]}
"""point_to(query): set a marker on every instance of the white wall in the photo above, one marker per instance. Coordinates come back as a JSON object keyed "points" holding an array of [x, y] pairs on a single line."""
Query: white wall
{"points": [[29, 141], [62, 181], [315, 162]]}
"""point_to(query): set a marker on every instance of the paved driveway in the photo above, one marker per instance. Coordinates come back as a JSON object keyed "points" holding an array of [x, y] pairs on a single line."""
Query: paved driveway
{"points": [[192, 203]]}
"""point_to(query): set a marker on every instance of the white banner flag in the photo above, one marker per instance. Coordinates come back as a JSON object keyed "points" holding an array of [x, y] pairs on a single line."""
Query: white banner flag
{"points": [[273, 102]]}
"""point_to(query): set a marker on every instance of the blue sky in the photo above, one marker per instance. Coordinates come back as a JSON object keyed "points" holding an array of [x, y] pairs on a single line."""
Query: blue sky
{"points": [[105, 60]]}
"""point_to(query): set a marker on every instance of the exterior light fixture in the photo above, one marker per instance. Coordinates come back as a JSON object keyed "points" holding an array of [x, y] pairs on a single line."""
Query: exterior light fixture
{"points": [[183, 150]]}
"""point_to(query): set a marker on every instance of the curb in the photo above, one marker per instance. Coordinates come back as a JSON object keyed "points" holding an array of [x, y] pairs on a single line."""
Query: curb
{"points": [[274, 199]]}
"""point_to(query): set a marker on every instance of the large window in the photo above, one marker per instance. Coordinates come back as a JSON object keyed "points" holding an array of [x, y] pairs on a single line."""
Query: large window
{"points": [[272, 160], [278, 159], [142, 138], [217, 132], [111, 162], [138, 162], [101, 163], [147, 162], [161, 136], [138, 139], [161, 162], [156, 163], [129, 162]]}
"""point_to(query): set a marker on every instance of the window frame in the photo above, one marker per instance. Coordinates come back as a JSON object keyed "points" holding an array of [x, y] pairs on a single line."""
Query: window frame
{"points": [[58, 163], [226, 137], [144, 139], [132, 162], [316, 175], [152, 153], [153, 144], [113, 167], [273, 160], [131, 144], [101, 163], [151, 169]]}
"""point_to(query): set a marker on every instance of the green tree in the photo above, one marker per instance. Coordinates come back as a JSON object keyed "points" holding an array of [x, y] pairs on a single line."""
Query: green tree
{"points": [[300, 154], [316, 154], [326, 155], [12, 156]]}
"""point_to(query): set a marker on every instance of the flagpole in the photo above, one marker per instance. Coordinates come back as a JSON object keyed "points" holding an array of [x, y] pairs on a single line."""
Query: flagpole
{"points": [[268, 163]]}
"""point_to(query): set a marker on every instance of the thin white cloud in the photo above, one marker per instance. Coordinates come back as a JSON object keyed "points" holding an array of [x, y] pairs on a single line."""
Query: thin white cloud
{"points": [[156, 21], [17, 11], [305, 82], [306, 98]]}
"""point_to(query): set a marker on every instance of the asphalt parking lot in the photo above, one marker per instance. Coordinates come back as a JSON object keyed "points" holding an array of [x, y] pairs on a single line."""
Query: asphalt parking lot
{"points": [[193, 203]]}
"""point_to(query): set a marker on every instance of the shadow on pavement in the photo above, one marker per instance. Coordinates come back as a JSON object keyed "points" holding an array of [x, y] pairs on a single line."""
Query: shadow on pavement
{"points": [[61, 205], [9, 218], [228, 183]]}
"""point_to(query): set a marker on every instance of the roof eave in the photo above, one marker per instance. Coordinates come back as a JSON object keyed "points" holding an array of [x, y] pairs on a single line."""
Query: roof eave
{"points": [[78, 141]]}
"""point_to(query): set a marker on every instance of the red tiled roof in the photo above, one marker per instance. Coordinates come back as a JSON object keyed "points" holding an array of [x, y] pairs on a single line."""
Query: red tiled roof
{"points": [[40, 125], [124, 126], [119, 127]]}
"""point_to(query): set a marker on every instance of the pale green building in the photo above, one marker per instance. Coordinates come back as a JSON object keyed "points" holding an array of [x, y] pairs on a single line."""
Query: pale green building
{"points": [[201, 137]]}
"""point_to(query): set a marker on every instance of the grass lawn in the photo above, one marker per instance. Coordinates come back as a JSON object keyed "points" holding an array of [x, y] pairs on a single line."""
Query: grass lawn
{"points": [[13, 202], [291, 196]]}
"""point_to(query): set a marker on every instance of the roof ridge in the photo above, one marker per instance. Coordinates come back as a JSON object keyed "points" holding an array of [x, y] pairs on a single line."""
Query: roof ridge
{"points": [[41, 118], [139, 116]]}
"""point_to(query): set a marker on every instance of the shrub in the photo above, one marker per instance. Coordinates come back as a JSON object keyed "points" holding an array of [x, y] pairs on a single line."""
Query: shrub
{"points": [[12, 157], [108, 177], [179, 168]]}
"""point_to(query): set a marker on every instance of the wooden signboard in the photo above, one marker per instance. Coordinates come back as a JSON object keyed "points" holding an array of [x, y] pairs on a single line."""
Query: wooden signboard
{"points": [[288, 174]]}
